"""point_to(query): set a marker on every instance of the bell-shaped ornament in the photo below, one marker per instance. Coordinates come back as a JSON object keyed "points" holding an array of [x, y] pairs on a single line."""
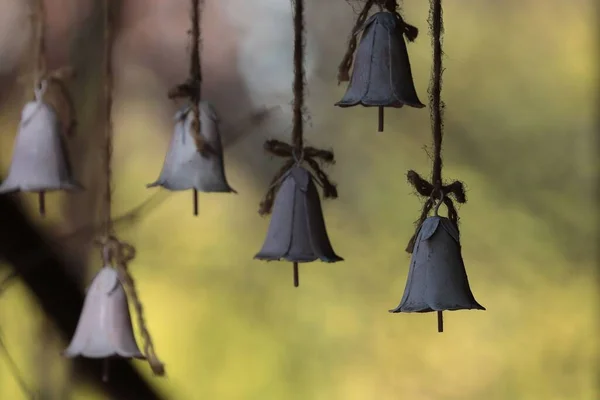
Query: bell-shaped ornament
{"points": [[104, 329], [184, 167], [437, 279], [39, 161], [381, 76], [297, 230]]}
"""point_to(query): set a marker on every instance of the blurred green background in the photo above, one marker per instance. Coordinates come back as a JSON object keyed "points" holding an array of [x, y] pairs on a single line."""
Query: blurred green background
{"points": [[521, 90]]}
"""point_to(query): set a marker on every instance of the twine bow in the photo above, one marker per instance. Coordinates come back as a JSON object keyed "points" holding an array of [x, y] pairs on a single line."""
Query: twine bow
{"points": [[310, 155], [119, 254]]}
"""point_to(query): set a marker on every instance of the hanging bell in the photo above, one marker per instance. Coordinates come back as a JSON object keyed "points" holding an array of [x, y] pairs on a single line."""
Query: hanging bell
{"points": [[297, 230], [104, 329], [39, 161], [381, 76], [437, 279], [184, 167]]}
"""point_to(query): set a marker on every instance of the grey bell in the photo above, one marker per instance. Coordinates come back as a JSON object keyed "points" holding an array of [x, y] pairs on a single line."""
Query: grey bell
{"points": [[437, 279], [39, 160], [184, 167], [381, 76], [104, 329], [297, 229]]}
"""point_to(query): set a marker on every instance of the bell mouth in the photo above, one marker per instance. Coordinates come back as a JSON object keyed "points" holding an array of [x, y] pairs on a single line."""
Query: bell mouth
{"points": [[334, 258], [475, 306], [70, 187], [174, 188]]}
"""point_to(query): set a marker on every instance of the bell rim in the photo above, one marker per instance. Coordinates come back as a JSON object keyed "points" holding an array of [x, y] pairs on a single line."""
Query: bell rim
{"points": [[429, 310], [157, 184], [73, 187], [286, 259]]}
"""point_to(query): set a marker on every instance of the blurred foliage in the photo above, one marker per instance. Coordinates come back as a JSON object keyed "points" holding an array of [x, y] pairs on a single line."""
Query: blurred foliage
{"points": [[520, 91]]}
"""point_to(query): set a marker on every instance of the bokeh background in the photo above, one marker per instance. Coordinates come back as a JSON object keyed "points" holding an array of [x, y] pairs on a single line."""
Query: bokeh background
{"points": [[521, 91]]}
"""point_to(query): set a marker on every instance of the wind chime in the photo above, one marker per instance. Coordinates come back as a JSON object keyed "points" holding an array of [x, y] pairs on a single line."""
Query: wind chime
{"points": [[40, 161], [381, 76], [297, 230], [104, 329], [437, 279], [195, 156]]}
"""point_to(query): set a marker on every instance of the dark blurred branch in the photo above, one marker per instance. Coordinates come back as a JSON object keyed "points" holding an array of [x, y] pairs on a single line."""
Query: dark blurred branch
{"points": [[60, 298]]}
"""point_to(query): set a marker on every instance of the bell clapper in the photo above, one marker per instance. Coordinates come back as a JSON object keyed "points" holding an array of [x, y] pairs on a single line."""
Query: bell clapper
{"points": [[195, 202], [42, 203], [105, 368], [296, 275], [440, 319], [380, 128]]}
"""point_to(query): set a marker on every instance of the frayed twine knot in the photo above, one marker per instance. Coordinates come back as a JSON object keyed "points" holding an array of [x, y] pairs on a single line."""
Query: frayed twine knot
{"points": [[308, 154], [432, 193]]}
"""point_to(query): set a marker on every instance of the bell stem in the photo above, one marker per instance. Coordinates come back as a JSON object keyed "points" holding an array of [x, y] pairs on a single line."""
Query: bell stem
{"points": [[195, 202], [296, 275], [42, 203], [105, 368], [440, 320], [380, 128]]}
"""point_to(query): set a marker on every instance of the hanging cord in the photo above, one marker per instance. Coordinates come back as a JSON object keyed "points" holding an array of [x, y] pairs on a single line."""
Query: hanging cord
{"points": [[297, 153], [409, 31], [122, 253], [108, 131], [191, 89], [436, 189], [39, 16], [41, 73]]}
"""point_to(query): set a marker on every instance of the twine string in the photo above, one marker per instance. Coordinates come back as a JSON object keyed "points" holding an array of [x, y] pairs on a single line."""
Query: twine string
{"points": [[108, 131], [119, 254], [191, 88], [436, 189], [115, 252], [39, 16], [296, 153]]}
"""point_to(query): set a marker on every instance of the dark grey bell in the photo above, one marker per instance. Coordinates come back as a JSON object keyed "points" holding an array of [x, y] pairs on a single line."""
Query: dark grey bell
{"points": [[381, 76], [39, 161], [104, 329], [437, 279], [184, 167], [297, 230]]}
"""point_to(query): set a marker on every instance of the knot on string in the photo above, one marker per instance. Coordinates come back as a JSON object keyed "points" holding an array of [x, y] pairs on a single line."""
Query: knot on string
{"points": [[438, 192], [411, 33], [118, 254], [295, 156], [39, 90]]}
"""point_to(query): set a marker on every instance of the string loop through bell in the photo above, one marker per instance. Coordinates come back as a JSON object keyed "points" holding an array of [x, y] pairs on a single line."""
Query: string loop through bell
{"points": [[439, 203]]}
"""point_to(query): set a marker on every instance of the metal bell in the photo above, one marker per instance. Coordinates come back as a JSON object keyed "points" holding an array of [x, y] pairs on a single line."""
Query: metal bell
{"points": [[104, 329], [39, 161], [381, 76], [297, 230], [184, 167], [437, 279]]}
